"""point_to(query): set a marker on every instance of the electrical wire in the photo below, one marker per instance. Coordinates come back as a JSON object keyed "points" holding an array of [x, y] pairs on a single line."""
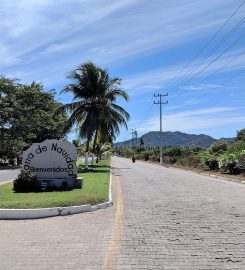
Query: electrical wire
{"points": [[205, 46], [205, 58]]}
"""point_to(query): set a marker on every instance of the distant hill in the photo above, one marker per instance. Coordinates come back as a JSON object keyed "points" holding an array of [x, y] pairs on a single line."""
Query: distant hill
{"points": [[176, 138]]}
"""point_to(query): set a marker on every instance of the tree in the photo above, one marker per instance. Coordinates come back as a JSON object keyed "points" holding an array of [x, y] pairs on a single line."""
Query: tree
{"points": [[93, 108], [102, 150], [26, 117], [241, 135]]}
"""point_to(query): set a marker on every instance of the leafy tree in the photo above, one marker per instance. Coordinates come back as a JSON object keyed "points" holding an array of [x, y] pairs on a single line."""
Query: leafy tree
{"points": [[26, 117], [241, 135], [102, 150], [93, 108]]}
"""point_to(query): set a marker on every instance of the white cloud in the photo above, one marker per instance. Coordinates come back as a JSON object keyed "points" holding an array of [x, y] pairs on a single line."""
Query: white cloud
{"points": [[46, 35], [193, 121], [162, 77], [201, 87]]}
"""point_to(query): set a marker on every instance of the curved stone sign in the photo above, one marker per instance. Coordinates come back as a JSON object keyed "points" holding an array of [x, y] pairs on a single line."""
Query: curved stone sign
{"points": [[51, 159]]}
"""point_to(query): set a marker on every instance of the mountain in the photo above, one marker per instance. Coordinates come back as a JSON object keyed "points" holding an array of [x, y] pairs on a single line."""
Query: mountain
{"points": [[176, 138]]}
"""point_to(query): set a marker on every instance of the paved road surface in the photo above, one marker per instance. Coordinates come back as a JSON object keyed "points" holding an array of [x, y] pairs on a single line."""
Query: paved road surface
{"points": [[6, 175], [162, 219]]}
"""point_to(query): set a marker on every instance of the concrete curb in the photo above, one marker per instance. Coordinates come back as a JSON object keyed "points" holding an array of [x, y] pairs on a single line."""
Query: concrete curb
{"points": [[55, 211]]}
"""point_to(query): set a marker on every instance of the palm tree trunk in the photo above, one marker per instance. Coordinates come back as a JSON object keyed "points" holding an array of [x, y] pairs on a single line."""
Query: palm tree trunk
{"points": [[86, 154], [94, 144], [97, 155]]}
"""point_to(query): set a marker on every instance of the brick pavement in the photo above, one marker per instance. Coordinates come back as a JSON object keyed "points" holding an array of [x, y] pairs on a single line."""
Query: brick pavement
{"points": [[162, 219], [176, 219]]}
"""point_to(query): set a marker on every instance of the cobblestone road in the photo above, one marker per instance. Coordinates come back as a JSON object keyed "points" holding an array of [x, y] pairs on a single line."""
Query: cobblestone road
{"points": [[162, 219]]}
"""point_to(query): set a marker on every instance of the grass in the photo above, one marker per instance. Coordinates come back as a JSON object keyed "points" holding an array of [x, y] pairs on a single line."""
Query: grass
{"points": [[95, 190]]}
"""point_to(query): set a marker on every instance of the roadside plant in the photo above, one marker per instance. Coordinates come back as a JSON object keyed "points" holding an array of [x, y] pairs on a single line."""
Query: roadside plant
{"points": [[212, 164], [241, 164], [228, 163], [26, 182], [218, 147], [93, 108]]}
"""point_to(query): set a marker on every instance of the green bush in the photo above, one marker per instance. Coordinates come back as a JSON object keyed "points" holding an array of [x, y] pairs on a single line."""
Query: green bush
{"points": [[241, 164], [241, 135], [218, 147], [236, 146], [204, 157], [172, 151], [212, 164], [228, 163], [146, 156], [26, 182], [191, 161]]}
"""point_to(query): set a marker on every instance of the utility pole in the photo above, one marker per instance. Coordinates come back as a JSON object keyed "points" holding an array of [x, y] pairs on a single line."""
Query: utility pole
{"points": [[160, 102], [134, 138]]}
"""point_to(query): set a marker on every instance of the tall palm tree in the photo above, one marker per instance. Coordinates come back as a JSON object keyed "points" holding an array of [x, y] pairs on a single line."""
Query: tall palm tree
{"points": [[111, 115], [93, 103]]}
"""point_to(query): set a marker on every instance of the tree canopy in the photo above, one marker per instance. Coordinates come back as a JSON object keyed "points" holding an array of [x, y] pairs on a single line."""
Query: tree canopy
{"points": [[94, 107], [26, 116]]}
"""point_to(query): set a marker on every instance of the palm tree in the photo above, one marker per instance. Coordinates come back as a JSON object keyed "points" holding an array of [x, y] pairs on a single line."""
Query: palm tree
{"points": [[110, 118], [102, 149], [93, 103]]}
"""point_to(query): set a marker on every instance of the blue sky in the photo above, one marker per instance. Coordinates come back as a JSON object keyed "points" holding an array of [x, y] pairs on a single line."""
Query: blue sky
{"points": [[146, 43]]}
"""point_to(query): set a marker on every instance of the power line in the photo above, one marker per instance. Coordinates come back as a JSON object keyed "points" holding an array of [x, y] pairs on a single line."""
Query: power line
{"points": [[214, 60], [200, 62], [206, 45], [217, 57], [204, 58], [223, 66], [223, 83], [148, 112]]}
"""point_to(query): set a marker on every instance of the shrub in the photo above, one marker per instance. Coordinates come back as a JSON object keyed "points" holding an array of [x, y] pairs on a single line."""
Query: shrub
{"points": [[204, 157], [26, 182], [172, 151], [218, 147], [212, 164], [241, 164], [241, 135], [228, 163], [146, 156], [191, 160], [236, 146]]}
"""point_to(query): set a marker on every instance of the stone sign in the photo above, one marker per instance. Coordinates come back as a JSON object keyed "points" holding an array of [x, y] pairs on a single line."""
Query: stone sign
{"points": [[51, 160]]}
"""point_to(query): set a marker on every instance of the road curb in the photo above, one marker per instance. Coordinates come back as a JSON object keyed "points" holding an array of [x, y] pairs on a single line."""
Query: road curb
{"points": [[55, 211]]}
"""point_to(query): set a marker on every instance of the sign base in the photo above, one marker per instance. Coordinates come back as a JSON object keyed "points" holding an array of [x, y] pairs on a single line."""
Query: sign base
{"points": [[61, 183]]}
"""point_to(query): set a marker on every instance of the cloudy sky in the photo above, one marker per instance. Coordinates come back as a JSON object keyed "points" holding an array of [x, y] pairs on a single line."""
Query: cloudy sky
{"points": [[154, 46]]}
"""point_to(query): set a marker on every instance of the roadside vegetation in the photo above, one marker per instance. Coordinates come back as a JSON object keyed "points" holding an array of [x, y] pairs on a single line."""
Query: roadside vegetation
{"points": [[221, 156], [95, 190], [26, 117], [93, 110]]}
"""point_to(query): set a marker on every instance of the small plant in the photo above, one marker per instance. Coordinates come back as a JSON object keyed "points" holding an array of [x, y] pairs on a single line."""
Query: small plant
{"points": [[26, 182], [218, 147], [228, 164], [241, 164], [146, 156], [212, 164]]}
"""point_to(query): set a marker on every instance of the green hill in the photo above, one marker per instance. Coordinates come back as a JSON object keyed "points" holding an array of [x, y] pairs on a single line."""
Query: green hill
{"points": [[176, 138]]}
